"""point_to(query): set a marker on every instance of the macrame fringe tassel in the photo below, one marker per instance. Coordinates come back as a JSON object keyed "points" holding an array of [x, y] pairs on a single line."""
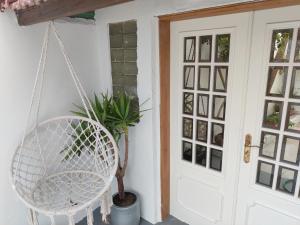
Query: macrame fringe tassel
{"points": [[90, 216], [106, 204], [52, 220], [32, 217], [71, 220]]}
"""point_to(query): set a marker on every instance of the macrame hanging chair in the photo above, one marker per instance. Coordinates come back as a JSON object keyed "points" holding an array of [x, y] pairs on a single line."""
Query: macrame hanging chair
{"points": [[65, 164]]}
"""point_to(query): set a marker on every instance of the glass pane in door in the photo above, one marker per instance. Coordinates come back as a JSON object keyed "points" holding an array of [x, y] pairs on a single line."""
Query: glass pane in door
{"points": [[268, 146], [204, 78], [295, 84], [189, 49], [277, 81], [189, 77], [297, 51], [286, 181], [281, 45], [222, 48], [205, 47], [290, 152]]}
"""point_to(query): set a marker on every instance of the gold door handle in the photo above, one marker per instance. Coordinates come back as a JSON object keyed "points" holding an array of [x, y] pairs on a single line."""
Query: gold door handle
{"points": [[247, 148]]}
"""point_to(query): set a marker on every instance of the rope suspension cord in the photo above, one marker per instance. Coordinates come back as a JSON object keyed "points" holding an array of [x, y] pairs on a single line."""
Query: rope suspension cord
{"points": [[41, 67], [85, 100], [64, 164]]}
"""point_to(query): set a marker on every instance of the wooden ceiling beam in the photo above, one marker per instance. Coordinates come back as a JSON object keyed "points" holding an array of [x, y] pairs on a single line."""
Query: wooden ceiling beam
{"points": [[53, 9], [251, 5]]}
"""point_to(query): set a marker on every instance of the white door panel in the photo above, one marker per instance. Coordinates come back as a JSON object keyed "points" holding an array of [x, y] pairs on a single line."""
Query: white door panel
{"points": [[269, 184], [208, 68]]}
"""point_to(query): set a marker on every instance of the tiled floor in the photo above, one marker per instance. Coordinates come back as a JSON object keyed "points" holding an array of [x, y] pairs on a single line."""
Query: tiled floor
{"points": [[170, 221]]}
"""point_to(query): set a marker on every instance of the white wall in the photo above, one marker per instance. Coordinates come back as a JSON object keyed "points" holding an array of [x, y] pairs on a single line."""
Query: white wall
{"points": [[89, 50], [143, 174], [19, 53]]}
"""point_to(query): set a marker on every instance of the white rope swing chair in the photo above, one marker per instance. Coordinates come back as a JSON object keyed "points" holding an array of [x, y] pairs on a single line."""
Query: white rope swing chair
{"points": [[65, 164]]}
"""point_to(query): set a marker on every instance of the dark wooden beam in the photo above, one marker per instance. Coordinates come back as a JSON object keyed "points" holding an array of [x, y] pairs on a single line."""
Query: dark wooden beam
{"points": [[53, 9], [229, 9], [164, 52]]}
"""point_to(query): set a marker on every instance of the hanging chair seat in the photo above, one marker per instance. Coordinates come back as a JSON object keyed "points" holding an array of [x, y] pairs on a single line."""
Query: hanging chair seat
{"points": [[64, 165], [67, 191]]}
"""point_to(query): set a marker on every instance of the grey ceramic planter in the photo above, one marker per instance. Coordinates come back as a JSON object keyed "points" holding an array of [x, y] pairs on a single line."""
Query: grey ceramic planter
{"points": [[130, 215]]}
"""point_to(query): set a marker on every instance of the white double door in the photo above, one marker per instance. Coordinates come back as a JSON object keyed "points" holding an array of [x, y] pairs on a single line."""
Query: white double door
{"points": [[231, 76]]}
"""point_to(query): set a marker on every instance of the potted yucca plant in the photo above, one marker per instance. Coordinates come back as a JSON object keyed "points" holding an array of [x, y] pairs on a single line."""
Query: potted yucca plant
{"points": [[118, 114]]}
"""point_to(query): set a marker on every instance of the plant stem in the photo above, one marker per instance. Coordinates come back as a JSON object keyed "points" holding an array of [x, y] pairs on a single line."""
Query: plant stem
{"points": [[122, 169], [121, 187], [126, 154]]}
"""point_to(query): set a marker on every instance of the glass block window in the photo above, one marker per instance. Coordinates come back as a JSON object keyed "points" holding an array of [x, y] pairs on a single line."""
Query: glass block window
{"points": [[123, 50], [205, 72], [279, 154]]}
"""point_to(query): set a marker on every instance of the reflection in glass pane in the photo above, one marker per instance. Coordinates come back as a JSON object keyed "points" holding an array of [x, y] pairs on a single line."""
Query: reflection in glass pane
{"points": [[286, 180], [187, 151], [187, 128], [272, 114], [189, 49], [189, 77], [201, 152], [297, 53], [217, 134], [202, 130], [188, 103], [204, 78], [219, 107], [222, 48], [205, 48], [281, 45], [295, 85], [265, 173], [216, 159], [203, 102], [276, 81], [220, 81], [268, 147], [290, 150], [293, 118]]}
